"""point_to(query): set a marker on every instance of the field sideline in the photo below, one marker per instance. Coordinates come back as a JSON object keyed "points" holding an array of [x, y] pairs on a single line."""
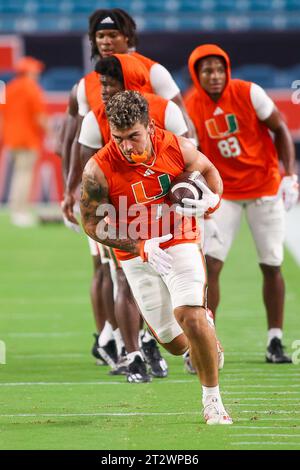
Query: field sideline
{"points": [[52, 395]]}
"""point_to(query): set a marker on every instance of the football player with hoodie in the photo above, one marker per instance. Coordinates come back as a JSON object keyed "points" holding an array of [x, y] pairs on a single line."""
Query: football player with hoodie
{"points": [[233, 120]]}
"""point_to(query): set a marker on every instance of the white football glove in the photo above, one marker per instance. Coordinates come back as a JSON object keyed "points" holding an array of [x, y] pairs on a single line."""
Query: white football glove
{"points": [[156, 257], [289, 191], [211, 230], [197, 208]]}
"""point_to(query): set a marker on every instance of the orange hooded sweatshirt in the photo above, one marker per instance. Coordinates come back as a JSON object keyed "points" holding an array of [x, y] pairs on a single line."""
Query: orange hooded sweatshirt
{"points": [[93, 84], [231, 135], [135, 77]]}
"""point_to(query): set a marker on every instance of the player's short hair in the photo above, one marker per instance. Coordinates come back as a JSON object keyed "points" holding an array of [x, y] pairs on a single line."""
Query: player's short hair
{"points": [[122, 22], [111, 67], [127, 108]]}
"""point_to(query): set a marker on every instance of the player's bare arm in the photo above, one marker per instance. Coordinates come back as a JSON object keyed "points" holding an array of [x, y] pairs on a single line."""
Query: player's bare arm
{"points": [[94, 193], [195, 160], [283, 140], [72, 168], [69, 132]]}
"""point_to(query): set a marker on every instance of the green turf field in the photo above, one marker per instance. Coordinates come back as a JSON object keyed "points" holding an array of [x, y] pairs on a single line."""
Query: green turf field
{"points": [[52, 396]]}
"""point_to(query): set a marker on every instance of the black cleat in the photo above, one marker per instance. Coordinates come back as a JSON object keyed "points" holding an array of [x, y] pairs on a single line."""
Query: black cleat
{"points": [[100, 361], [275, 353], [109, 353], [122, 365], [137, 371], [151, 353]]}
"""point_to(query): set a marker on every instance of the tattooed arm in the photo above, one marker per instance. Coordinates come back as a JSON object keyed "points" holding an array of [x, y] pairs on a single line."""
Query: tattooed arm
{"points": [[94, 208]]}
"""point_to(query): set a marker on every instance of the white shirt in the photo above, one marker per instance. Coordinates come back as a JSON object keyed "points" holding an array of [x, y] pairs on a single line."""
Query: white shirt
{"points": [[261, 102], [83, 105], [90, 134]]}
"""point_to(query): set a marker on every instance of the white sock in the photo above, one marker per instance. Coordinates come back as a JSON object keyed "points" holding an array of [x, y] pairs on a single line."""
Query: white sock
{"points": [[105, 335], [119, 340], [141, 334], [209, 391], [132, 355], [274, 333], [147, 337]]}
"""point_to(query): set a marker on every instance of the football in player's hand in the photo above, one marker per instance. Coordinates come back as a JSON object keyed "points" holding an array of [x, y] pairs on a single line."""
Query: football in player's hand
{"points": [[184, 186]]}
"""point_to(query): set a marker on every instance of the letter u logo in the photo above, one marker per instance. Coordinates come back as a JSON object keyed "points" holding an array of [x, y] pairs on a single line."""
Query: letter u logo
{"points": [[213, 128], [140, 194]]}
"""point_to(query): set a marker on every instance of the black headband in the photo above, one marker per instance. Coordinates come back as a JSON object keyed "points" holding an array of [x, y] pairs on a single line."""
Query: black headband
{"points": [[107, 23]]}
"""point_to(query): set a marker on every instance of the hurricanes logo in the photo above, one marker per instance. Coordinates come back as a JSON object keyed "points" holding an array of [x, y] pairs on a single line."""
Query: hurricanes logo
{"points": [[222, 128], [140, 194], [216, 129]]}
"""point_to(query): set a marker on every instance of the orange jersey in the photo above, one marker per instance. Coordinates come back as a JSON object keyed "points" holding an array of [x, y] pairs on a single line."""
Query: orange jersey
{"points": [[93, 89], [93, 84], [135, 78], [144, 189], [24, 103], [232, 136]]}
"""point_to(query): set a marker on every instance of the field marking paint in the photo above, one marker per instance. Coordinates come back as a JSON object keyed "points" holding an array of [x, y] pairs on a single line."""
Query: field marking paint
{"points": [[282, 412], [262, 443], [261, 419], [43, 335], [48, 356], [265, 427], [63, 415], [165, 382], [266, 435]]}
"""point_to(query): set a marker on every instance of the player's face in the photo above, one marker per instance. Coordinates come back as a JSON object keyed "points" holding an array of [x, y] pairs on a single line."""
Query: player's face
{"points": [[111, 41], [212, 75], [134, 140], [110, 86]]}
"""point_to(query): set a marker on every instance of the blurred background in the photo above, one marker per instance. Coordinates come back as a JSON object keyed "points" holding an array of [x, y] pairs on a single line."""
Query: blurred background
{"points": [[262, 38]]}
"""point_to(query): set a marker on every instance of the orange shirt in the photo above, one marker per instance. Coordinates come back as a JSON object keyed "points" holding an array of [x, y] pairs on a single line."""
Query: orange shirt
{"points": [[144, 189], [135, 78], [231, 135], [24, 103], [93, 85], [93, 89]]}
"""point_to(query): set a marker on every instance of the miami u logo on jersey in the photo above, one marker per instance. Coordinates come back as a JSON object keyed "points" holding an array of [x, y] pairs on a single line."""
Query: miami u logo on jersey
{"points": [[140, 194], [213, 127]]}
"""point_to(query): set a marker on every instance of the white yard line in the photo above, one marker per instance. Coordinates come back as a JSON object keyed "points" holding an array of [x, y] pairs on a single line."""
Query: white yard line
{"points": [[63, 415], [266, 435], [282, 412], [262, 419], [42, 334], [293, 400], [225, 392], [265, 443], [160, 382], [265, 427], [47, 356]]}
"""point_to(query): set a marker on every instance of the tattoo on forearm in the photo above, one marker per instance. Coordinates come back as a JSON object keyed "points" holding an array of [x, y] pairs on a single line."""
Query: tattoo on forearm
{"points": [[93, 197]]}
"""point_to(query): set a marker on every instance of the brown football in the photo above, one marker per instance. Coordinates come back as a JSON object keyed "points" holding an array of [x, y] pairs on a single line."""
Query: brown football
{"points": [[184, 186]]}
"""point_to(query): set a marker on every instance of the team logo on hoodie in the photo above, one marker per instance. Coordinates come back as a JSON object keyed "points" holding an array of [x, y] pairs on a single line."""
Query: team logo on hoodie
{"points": [[222, 126]]}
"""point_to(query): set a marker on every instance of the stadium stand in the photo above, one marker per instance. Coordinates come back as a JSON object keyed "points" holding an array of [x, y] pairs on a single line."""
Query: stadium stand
{"points": [[70, 15]]}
